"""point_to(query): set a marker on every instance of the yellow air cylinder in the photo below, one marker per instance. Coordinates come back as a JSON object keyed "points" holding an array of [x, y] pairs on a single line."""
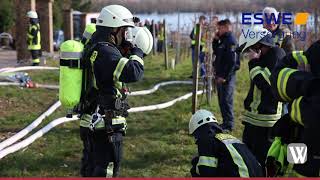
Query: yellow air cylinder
{"points": [[70, 73]]}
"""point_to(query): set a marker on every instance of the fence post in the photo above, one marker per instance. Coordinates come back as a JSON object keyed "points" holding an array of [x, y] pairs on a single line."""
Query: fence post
{"points": [[196, 69], [178, 45]]}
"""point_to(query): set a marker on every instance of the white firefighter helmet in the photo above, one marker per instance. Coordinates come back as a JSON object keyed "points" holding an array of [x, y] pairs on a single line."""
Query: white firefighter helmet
{"points": [[32, 14], [115, 16], [261, 35], [142, 38], [200, 118], [270, 10]]}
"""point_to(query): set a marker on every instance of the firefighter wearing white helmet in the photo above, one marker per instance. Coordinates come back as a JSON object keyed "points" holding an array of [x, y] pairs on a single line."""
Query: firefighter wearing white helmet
{"points": [[219, 154], [104, 91], [34, 37], [262, 110]]}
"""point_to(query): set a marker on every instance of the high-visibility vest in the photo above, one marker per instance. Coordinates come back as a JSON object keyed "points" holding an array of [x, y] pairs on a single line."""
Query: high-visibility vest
{"points": [[161, 34], [193, 41], [31, 38]]}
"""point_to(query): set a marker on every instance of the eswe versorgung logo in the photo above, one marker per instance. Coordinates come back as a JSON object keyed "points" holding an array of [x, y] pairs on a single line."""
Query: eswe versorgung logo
{"points": [[286, 18]]}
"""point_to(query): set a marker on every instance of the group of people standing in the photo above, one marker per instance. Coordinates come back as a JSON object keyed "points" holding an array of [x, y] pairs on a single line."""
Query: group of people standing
{"points": [[281, 105]]}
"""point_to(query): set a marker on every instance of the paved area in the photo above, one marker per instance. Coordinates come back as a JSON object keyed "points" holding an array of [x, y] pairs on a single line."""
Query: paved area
{"points": [[8, 58]]}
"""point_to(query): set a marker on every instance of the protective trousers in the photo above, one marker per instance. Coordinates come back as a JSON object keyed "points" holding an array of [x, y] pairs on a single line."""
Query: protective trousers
{"points": [[87, 154], [309, 109], [258, 139], [35, 55], [107, 150]]}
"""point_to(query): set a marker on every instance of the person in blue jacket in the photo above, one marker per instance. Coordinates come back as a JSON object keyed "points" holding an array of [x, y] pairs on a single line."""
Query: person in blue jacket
{"points": [[226, 64]]}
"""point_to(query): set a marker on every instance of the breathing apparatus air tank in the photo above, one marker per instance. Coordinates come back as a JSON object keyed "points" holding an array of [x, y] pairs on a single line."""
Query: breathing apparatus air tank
{"points": [[70, 74]]}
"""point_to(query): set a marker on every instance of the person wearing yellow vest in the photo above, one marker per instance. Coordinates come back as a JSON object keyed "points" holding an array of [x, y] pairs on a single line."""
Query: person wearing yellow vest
{"points": [[281, 38], [202, 21], [34, 37], [262, 110], [160, 45], [219, 154], [296, 80]]}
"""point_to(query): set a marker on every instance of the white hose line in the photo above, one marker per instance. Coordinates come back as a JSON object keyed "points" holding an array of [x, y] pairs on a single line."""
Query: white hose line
{"points": [[5, 69], [52, 124], [35, 136], [28, 68], [46, 86], [9, 84], [134, 93], [156, 87], [162, 105], [30, 127]]}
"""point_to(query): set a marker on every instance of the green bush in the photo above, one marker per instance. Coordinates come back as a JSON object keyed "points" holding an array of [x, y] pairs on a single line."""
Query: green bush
{"points": [[6, 15]]}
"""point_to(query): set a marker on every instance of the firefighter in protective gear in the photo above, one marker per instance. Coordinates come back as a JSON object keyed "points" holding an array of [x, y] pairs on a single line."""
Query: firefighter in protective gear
{"points": [[296, 80], [87, 165], [281, 37], [262, 110], [219, 154], [34, 37], [105, 97]]}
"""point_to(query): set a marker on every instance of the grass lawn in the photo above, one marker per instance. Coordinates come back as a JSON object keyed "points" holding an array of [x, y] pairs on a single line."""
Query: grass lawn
{"points": [[157, 142]]}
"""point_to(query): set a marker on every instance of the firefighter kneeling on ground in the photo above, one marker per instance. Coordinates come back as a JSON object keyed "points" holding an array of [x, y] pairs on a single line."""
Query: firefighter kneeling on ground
{"points": [[219, 154], [296, 80], [105, 97]]}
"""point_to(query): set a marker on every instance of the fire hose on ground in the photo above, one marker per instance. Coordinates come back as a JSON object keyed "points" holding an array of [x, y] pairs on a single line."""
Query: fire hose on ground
{"points": [[5, 150]]}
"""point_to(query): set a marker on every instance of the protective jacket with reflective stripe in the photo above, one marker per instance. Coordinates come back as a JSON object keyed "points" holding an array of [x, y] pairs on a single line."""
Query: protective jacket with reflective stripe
{"points": [[110, 68], [296, 80], [33, 37], [224, 156], [262, 108]]}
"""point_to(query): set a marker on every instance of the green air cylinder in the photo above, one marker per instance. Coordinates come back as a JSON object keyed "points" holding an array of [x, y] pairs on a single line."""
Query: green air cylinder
{"points": [[70, 73]]}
